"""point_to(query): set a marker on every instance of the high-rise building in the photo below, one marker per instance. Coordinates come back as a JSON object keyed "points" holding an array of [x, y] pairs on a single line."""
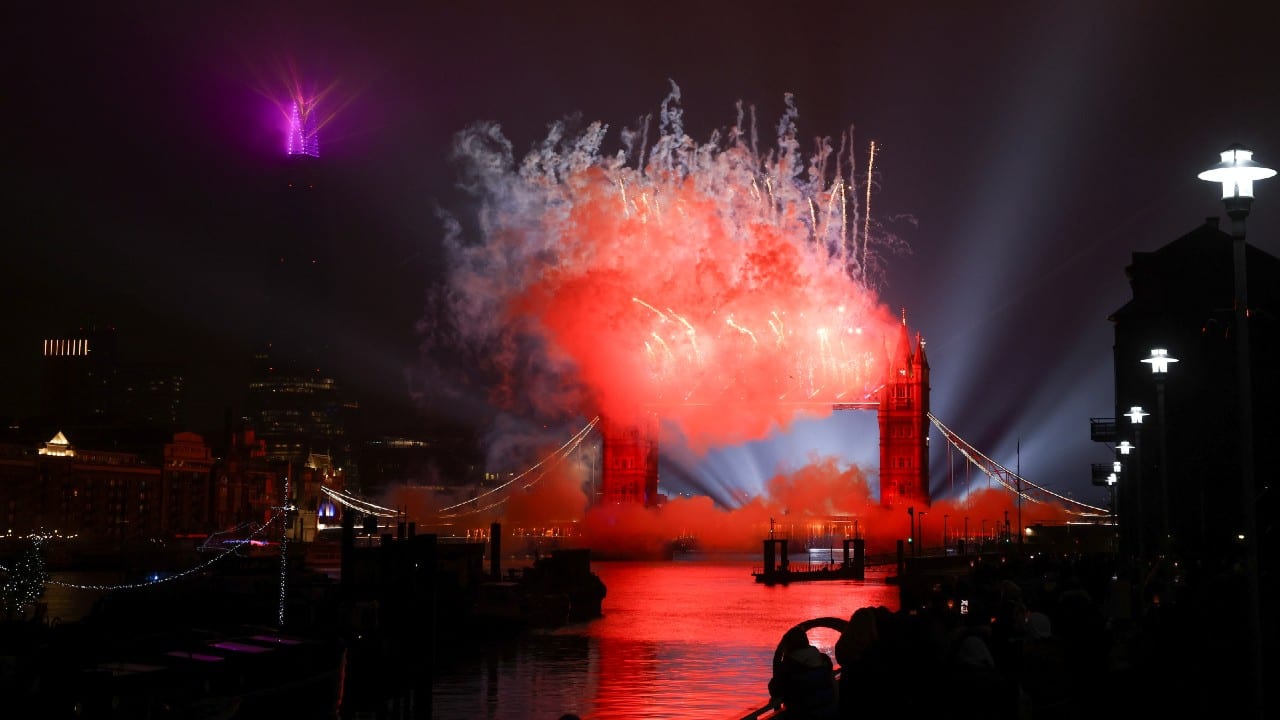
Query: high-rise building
{"points": [[78, 376], [85, 384], [295, 409], [304, 131], [150, 395]]}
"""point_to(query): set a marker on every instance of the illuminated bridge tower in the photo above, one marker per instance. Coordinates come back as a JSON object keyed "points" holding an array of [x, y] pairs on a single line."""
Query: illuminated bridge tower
{"points": [[904, 425], [630, 461]]}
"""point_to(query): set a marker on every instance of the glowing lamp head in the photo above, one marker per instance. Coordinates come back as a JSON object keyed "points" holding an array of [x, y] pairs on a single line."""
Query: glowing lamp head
{"points": [[1125, 447], [1237, 172], [1115, 466], [1159, 361], [1136, 413], [1112, 478]]}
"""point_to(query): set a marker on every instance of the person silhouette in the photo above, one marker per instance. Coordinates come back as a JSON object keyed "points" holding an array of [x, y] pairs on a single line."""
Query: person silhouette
{"points": [[803, 679]]}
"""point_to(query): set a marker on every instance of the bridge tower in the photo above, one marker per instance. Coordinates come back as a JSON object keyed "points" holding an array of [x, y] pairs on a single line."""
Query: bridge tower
{"points": [[904, 424], [629, 458]]}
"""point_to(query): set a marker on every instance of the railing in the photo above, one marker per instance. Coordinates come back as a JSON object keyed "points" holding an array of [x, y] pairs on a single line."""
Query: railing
{"points": [[1100, 473], [1102, 429]]}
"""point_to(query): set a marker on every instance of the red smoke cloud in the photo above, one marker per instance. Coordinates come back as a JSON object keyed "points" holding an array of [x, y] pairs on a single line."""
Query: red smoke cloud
{"points": [[727, 289], [819, 499]]}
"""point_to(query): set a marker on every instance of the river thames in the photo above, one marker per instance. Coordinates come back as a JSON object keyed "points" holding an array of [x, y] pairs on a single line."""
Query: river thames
{"points": [[690, 638]]}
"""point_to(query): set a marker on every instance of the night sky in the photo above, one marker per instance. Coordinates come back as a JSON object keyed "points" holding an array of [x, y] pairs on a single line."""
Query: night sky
{"points": [[1025, 150]]}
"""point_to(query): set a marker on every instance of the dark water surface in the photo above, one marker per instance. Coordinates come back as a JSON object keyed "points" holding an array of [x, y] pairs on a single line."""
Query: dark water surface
{"points": [[690, 638]]}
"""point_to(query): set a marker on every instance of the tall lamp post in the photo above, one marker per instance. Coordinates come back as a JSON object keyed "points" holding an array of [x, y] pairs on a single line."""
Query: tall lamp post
{"points": [[1159, 362], [1124, 448], [1237, 172], [1135, 415], [1112, 479], [920, 522], [944, 533], [911, 516]]}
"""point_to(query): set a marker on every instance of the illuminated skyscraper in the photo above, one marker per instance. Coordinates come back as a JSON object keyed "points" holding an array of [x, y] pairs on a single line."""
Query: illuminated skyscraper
{"points": [[300, 259], [303, 134], [78, 372], [295, 409], [84, 383]]}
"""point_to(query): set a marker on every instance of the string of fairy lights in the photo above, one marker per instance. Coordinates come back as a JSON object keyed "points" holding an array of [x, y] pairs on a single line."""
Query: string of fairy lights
{"points": [[284, 553], [34, 578], [222, 553], [29, 577]]}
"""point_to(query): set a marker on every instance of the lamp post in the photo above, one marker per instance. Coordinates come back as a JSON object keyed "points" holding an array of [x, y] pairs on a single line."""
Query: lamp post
{"points": [[1237, 172], [1018, 474], [920, 519], [1159, 361], [1135, 415], [944, 533], [911, 516], [1124, 448]]}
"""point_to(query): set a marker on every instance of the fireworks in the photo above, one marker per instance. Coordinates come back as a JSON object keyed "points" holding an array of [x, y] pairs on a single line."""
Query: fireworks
{"points": [[726, 288]]}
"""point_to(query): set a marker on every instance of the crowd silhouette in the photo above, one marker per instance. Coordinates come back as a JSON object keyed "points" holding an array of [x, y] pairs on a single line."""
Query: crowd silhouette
{"points": [[1034, 639]]}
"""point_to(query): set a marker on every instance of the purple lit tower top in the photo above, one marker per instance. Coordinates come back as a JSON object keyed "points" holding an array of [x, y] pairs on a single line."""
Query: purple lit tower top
{"points": [[303, 136]]}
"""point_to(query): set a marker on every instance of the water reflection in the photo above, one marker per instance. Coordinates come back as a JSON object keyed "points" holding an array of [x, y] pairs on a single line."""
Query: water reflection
{"points": [[685, 639]]}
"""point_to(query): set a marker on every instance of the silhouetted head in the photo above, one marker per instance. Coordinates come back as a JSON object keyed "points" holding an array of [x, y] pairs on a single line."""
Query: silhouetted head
{"points": [[793, 639], [862, 632]]}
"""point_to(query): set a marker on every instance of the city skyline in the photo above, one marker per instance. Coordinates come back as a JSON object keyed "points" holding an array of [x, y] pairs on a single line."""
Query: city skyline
{"points": [[1023, 154]]}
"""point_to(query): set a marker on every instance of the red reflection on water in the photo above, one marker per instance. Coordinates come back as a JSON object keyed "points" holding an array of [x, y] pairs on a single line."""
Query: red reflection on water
{"points": [[695, 639]]}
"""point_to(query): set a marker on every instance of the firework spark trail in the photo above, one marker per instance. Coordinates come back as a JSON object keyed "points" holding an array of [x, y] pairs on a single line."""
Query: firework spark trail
{"points": [[547, 296], [866, 226]]}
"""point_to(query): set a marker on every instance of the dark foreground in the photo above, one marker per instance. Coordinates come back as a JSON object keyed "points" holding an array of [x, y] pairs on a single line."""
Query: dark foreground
{"points": [[1044, 637]]}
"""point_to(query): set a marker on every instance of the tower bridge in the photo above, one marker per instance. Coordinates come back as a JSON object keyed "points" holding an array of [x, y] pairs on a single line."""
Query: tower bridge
{"points": [[629, 449]]}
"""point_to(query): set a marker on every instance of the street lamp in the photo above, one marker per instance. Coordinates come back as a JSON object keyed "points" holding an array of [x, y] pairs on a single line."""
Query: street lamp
{"points": [[920, 519], [1237, 172], [944, 533], [911, 516], [1159, 362], [1135, 415]]}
